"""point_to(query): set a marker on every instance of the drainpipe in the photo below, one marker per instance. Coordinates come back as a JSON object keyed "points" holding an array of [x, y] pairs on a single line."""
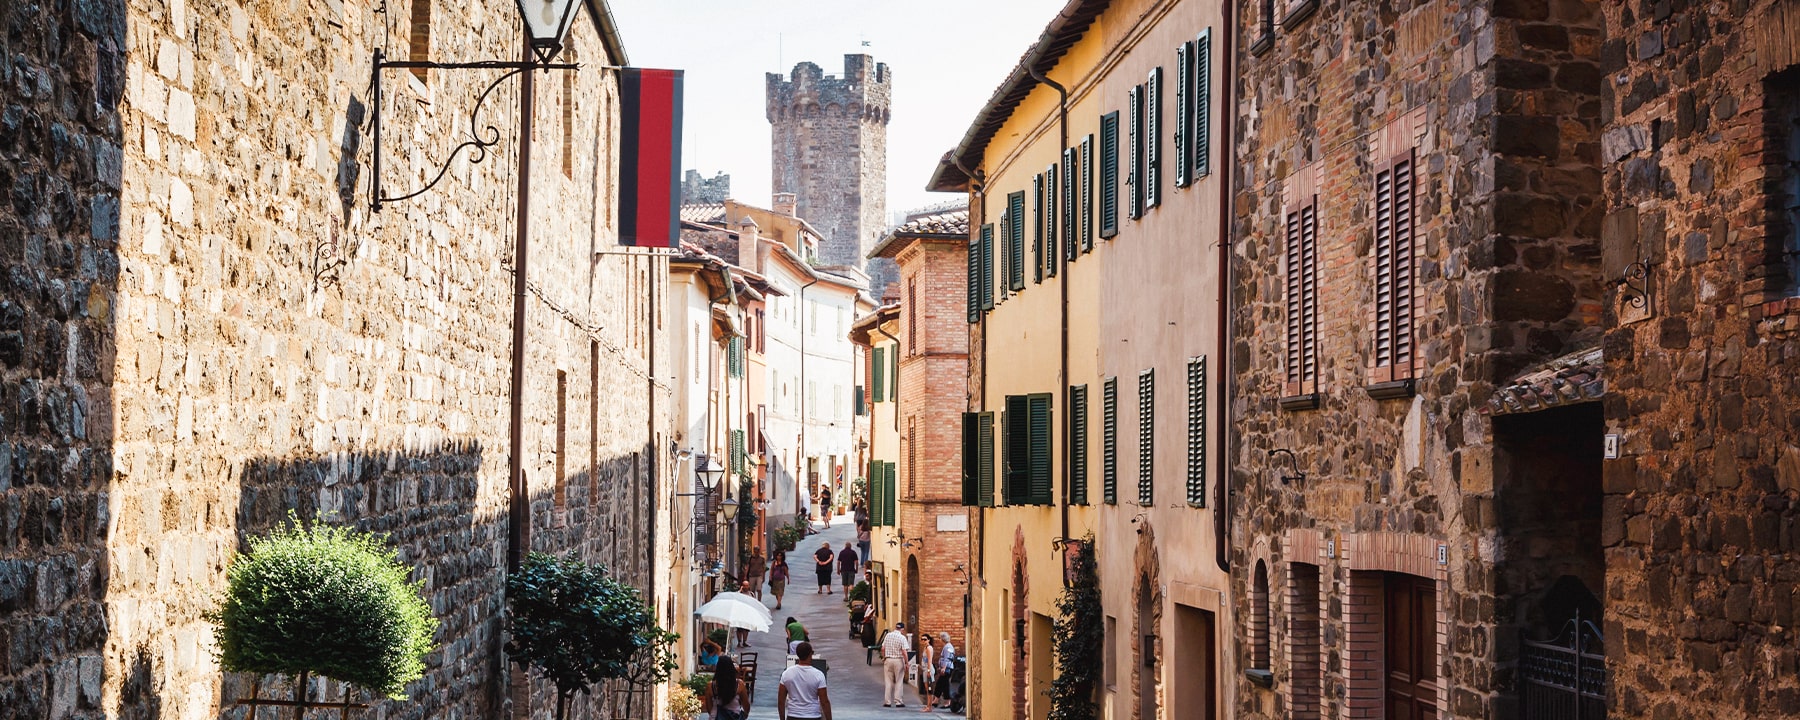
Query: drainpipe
{"points": [[1222, 518], [978, 189], [1062, 377]]}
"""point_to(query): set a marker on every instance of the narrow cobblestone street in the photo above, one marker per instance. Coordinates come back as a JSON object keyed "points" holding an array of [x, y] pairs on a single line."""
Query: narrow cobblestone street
{"points": [[854, 685]]}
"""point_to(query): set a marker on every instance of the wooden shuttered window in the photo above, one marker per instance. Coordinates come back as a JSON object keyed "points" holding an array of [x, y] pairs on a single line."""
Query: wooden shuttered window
{"points": [[1078, 445], [1027, 449], [1184, 116], [738, 465], [971, 459], [1395, 268], [912, 455], [1038, 257], [973, 287], [879, 382], [1109, 174], [1201, 147], [1051, 212], [888, 493], [1109, 441], [1070, 174], [984, 471], [1300, 275], [1134, 147], [1015, 453], [876, 503], [1087, 193], [1153, 139], [1146, 437], [1196, 432], [1015, 249], [859, 401], [987, 266], [1040, 486]]}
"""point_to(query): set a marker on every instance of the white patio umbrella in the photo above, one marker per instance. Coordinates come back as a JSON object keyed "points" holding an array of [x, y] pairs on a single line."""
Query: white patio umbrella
{"points": [[747, 600], [732, 613]]}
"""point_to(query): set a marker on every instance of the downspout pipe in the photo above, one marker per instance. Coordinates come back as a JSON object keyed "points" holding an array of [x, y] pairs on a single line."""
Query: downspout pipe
{"points": [[1062, 284], [978, 189], [1228, 169]]}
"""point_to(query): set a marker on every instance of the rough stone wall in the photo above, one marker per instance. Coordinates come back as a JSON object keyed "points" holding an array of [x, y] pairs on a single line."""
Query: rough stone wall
{"points": [[1499, 102], [190, 228], [1701, 519], [830, 149], [697, 188], [933, 339]]}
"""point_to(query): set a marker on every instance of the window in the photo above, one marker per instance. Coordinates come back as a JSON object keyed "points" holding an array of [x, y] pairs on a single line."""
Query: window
{"points": [[1027, 446], [912, 315], [987, 266], [837, 401], [593, 468], [1781, 266], [879, 383], [418, 46], [1015, 250], [1146, 437], [562, 441], [1394, 271], [1304, 690], [740, 464], [1071, 240], [971, 459], [1109, 441], [1087, 193], [857, 401], [812, 399], [1038, 256], [912, 456], [1193, 96], [734, 356], [888, 493], [1134, 146], [568, 117], [1300, 254], [1153, 139], [877, 503], [1109, 664], [1196, 432], [1259, 618], [972, 258], [1077, 444], [1109, 174], [984, 475], [894, 372], [1052, 254]]}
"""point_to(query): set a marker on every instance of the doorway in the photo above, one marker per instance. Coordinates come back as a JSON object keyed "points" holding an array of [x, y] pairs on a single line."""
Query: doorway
{"points": [[1409, 618], [1146, 686], [1196, 688]]}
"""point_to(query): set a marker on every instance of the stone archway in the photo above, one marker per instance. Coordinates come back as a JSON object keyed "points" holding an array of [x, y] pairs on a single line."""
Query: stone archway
{"points": [[1146, 591], [1021, 588], [909, 610]]}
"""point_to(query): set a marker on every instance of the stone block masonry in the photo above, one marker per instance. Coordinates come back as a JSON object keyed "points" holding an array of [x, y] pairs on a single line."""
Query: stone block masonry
{"points": [[202, 327]]}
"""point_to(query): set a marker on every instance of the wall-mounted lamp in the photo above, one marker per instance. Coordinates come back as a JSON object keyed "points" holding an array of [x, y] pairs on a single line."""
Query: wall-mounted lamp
{"points": [[1293, 462], [961, 569]]}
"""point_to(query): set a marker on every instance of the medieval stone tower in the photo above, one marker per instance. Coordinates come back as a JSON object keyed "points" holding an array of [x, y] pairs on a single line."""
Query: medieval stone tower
{"points": [[830, 150]]}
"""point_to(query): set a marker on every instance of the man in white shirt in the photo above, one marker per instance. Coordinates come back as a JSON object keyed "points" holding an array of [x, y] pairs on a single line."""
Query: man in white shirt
{"points": [[802, 695], [893, 666]]}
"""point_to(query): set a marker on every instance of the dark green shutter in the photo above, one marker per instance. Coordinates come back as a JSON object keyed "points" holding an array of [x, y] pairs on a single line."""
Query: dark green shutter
{"points": [[874, 481], [857, 400], [1109, 441], [1184, 98], [1015, 212], [1087, 193], [894, 385], [1015, 445], [1052, 252], [971, 458], [1196, 432], [987, 266], [973, 257], [1069, 174], [1037, 228], [880, 381], [891, 514], [1039, 488], [1109, 174], [1134, 146], [1146, 437], [1077, 444], [1153, 139], [1202, 162], [985, 469]]}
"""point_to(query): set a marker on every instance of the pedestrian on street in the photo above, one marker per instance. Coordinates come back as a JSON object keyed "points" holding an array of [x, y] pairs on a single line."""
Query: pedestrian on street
{"points": [[822, 565], [847, 567], [796, 634], [743, 634], [726, 696], [860, 512], [927, 673], [893, 666], [759, 565], [946, 659], [825, 505], [778, 578], [862, 538], [709, 653], [802, 695]]}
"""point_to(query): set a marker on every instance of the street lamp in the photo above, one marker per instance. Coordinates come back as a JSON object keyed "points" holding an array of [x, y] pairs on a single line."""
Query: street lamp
{"points": [[547, 21], [728, 509], [710, 472]]}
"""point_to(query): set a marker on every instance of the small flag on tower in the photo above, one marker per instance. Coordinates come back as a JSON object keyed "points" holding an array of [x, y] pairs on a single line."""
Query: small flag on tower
{"points": [[650, 166]]}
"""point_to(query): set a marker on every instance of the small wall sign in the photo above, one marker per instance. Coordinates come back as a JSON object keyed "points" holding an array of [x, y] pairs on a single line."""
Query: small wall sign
{"points": [[1612, 446]]}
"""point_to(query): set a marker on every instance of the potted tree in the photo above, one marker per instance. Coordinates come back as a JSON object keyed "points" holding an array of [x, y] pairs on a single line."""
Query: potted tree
{"points": [[575, 625]]}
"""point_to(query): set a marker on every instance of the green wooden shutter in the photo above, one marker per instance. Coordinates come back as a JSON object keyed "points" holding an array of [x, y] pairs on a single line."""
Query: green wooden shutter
{"points": [[1040, 486], [858, 400], [894, 386], [876, 502], [1087, 193], [740, 454], [1052, 252], [1069, 175], [971, 458], [1015, 269], [1184, 98], [1146, 437], [1196, 432], [987, 266], [880, 382], [1153, 139], [1037, 228], [1015, 444], [985, 469], [892, 515], [1109, 174], [1134, 147], [1078, 446], [973, 257], [1109, 441], [1202, 145]]}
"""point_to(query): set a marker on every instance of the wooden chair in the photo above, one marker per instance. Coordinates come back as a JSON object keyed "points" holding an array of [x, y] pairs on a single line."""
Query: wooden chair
{"points": [[747, 670]]}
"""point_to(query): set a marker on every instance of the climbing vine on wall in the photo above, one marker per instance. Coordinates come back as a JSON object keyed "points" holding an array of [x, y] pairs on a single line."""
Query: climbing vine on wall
{"points": [[1079, 634]]}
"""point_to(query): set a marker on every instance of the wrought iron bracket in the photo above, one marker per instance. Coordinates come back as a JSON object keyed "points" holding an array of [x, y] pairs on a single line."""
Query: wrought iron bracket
{"points": [[481, 137], [1634, 285]]}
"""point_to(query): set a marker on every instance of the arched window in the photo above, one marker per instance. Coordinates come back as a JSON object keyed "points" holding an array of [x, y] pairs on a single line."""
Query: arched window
{"points": [[1259, 618]]}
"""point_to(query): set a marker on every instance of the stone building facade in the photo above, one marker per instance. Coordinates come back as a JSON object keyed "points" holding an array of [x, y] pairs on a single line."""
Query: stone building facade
{"points": [[699, 189], [1702, 113], [208, 328], [1418, 205], [830, 150]]}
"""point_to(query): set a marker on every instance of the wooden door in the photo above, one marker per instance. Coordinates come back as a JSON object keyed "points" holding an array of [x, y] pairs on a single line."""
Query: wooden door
{"points": [[1411, 629]]}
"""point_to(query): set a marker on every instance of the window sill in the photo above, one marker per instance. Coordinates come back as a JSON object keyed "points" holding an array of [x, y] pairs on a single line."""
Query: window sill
{"points": [[1309, 401], [1392, 390], [1263, 678], [1298, 12], [1262, 44]]}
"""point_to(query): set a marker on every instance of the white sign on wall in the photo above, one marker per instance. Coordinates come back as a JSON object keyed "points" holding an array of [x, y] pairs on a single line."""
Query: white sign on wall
{"points": [[953, 523]]}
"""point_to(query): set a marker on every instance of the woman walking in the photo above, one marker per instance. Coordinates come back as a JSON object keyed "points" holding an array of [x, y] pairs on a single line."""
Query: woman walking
{"points": [[946, 658], [927, 672], [726, 697], [778, 578], [822, 559]]}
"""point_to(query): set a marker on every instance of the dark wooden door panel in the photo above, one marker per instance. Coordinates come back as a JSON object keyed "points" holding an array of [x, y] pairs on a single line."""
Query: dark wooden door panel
{"points": [[1410, 627]]}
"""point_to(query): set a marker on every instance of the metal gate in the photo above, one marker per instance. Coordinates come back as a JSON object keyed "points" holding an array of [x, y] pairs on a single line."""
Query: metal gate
{"points": [[1565, 677]]}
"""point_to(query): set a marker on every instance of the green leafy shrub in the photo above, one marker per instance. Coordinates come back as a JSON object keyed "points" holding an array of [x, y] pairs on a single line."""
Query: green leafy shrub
{"points": [[1079, 635], [575, 625], [718, 636], [328, 601], [859, 591], [697, 682]]}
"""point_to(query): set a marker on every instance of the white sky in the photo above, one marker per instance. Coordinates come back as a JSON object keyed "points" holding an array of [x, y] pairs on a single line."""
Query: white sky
{"points": [[947, 57]]}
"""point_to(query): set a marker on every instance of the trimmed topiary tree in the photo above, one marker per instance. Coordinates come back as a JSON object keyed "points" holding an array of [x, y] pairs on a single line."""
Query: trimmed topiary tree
{"points": [[324, 600], [576, 626]]}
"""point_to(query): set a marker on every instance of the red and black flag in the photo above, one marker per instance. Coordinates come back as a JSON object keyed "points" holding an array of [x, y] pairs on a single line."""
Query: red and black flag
{"points": [[650, 169]]}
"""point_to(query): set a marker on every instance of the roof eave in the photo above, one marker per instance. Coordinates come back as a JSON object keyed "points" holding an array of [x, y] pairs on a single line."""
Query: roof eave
{"points": [[608, 28]]}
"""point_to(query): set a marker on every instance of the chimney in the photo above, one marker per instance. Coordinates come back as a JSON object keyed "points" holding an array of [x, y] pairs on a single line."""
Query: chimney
{"points": [[786, 203], [749, 246]]}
